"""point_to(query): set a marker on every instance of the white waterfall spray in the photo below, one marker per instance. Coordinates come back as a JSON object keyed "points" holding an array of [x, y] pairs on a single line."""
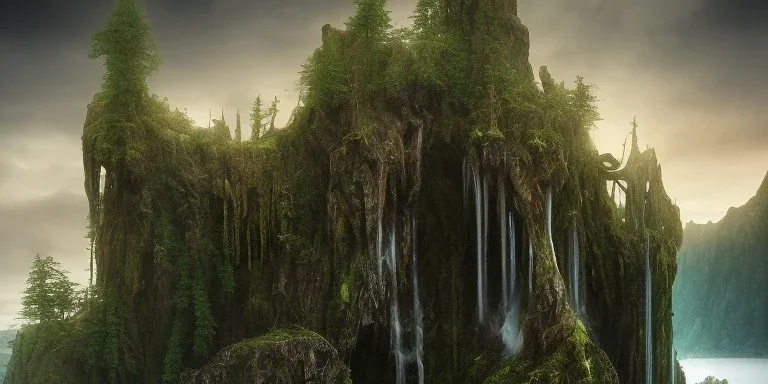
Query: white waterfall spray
{"points": [[648, 322], [417, 317], [511, 335], [575, 276]]}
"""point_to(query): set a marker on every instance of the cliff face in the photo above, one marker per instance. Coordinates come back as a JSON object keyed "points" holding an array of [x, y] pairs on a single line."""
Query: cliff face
{"points": [[425, 236], [719, 297]]}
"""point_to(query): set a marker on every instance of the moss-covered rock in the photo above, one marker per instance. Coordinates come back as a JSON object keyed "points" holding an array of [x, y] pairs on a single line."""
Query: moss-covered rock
{"points": [[575, 360], [52, 352], [281, 356]]}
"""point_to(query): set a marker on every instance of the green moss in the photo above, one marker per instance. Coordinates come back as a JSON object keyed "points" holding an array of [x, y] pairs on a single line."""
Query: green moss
{"points": [[280, 356], [344, 292], [37, 354]]}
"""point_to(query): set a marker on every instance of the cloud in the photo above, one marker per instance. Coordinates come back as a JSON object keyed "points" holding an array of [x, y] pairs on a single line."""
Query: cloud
{"points": [[49, 226]]}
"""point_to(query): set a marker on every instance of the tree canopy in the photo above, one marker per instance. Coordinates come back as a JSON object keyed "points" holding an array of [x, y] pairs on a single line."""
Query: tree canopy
{"points": [[131, 55], [50, 295]]}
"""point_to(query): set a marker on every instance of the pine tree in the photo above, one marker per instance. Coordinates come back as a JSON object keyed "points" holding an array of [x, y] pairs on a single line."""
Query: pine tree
{"points": [[371, 22], [369, 29], [257, 119], [131, 56], [50, 295]]}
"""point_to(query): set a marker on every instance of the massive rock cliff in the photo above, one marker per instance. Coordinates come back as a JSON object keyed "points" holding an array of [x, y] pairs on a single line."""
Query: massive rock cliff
{"points": [[446, 231], [719, 297]]}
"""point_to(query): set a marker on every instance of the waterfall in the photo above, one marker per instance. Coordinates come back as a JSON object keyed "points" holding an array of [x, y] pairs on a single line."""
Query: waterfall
{"points": [[512, 250], [485, 238], [575, 277], [465, 181], [672, 362], [511, 334], [479, 230], [395, 311], [549, 224], [379, 241], [648, 323], [502, 208], [530, 264], [417, 317]]}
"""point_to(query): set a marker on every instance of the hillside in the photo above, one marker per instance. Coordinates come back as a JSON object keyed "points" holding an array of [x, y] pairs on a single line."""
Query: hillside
{"points": [[719, 296]]}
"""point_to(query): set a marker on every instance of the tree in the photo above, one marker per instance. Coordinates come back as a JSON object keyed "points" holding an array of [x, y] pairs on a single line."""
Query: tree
{"points": [[369, 29], [131, 55], [371, 22], [50, 295], [428, 17], [258, 114]]}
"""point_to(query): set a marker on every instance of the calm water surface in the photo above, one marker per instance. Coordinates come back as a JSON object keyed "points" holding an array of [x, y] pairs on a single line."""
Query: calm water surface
{"points": [[737, 371]]}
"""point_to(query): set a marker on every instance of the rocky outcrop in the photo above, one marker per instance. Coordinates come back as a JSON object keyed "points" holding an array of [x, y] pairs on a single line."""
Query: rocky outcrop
{"points": [[281, 356]]}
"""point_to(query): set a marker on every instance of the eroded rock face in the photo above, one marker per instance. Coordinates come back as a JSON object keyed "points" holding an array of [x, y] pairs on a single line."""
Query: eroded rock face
{"points": [[281, 356]]}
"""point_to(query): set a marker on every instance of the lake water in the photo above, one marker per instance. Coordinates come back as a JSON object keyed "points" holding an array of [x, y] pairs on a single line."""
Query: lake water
{"points": [[736, 371]]}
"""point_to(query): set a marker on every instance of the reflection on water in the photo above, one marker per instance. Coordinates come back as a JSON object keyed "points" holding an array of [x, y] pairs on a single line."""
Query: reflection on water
{"points": [[736, 371]]}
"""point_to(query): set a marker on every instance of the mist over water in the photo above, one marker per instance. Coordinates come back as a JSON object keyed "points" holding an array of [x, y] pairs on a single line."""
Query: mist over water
{"points": [[736, 371]]}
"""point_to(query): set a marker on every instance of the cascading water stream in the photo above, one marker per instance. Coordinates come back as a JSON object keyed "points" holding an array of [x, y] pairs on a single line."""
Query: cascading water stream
{"points": [[465, 181], [511, 335], [512, 256], [530, 265], [394, 311], [575, 277], [648, 324], [485, 240], [502, 207], [549, 224], [417, 317], [480, 248], [672, 363], [379, 244]]}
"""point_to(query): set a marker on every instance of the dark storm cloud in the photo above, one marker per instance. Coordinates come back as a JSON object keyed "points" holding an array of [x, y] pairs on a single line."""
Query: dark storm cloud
{"points": [[49, 19]]}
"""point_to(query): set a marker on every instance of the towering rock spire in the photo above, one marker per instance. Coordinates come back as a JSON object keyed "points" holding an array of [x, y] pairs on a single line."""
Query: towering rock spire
{"points": [[238, 131], [635, 148]]}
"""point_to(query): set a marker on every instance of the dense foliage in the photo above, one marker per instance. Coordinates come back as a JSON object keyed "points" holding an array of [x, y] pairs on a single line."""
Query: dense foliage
{"points": [[49, 295], [719, 297], [713, 380]]}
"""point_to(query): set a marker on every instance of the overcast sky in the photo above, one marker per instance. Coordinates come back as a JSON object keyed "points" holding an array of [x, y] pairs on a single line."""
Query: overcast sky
{"points": [[692, 71]]}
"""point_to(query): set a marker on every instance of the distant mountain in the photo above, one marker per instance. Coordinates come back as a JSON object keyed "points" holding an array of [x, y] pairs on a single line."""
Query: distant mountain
{"points": [[720, 296], [6, 337]]}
